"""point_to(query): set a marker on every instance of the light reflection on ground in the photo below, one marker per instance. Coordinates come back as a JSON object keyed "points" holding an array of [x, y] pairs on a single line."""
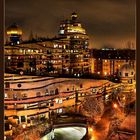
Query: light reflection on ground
{"points": [[67, 133]]}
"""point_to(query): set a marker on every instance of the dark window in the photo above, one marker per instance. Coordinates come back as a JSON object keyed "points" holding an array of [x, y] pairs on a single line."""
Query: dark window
{"points": [[7, 85], [56, 91], [131, 73], [120, 73], [7, 127], [19, 85], [23, 119], [5, 117], [52, 92], [15, 117], [126, 74], [20, 64], [38, 94], [28, 121]]}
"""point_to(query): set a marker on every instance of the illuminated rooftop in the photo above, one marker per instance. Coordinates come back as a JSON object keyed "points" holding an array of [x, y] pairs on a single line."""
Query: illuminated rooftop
{"points": [[14, 29]]}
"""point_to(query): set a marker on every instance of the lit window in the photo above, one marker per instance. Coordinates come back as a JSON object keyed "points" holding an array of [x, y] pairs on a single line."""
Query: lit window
{"points": [[60, 101], [9, 57], [86, 42], [6, 95], [59, 110], [55, 45], [79, 24], [25, 106], [98, 72], [57, 101], [105, 61], [61, 31], [105, 73]]}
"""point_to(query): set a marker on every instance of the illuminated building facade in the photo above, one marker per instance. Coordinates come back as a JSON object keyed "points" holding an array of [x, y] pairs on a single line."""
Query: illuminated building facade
{"points": [[109, 62], [23, 57], [30, 97], [67, 54], [77, 52]]}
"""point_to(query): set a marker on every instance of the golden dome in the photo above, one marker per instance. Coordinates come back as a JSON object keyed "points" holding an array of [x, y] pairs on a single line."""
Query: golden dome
{"points": [[14, 30]]}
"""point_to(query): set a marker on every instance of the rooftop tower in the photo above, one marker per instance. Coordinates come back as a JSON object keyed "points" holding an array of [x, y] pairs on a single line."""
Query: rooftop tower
{"points": [[14, 34]]}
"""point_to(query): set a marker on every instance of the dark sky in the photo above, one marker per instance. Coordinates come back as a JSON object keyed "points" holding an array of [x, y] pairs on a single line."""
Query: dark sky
{"points": [[106, 21]]}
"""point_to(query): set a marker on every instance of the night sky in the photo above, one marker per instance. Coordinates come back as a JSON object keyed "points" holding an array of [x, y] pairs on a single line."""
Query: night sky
{"points": [[107, 22]]}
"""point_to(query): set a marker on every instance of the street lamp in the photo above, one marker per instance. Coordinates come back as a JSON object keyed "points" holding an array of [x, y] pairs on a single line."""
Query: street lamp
{"points": [[90, 133], [90, 129], [115, 106], [92, 138], [24, 132], [23, 126]]}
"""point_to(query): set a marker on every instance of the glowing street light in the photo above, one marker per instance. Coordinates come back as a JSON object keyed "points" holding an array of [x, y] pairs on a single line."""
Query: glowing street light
{"points": [[24, 126], [92, 138], [90, 129], [115, 105]]}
